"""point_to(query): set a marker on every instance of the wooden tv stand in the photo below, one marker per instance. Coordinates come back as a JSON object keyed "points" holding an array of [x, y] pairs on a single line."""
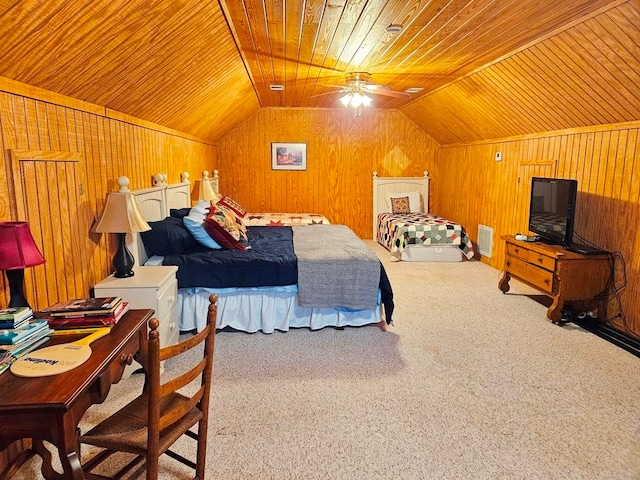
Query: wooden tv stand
{"points": [[560, 274]]}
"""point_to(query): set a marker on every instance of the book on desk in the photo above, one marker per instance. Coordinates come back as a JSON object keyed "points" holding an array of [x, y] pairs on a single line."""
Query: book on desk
{"points": [[15, 317], [82, 307], [12, 336], [89, 321], [22, 340]]}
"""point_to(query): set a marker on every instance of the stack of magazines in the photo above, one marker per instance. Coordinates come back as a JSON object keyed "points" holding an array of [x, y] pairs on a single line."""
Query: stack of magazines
{"points": [[20, 333], [84, 314]]}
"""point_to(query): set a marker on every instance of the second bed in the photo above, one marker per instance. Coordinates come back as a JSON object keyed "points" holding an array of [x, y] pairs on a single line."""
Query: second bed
{"points": [[403, 225]]}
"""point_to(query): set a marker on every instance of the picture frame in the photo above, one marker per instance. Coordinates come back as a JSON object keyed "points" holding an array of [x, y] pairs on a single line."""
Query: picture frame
{"points": [[288, 156]]}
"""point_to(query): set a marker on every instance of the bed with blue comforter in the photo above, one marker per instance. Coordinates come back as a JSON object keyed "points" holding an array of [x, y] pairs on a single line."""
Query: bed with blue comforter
{"points": [[259, 288]]}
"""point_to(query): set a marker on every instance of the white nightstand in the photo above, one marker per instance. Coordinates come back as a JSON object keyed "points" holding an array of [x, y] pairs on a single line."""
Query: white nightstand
{"points": [[153, 287]]}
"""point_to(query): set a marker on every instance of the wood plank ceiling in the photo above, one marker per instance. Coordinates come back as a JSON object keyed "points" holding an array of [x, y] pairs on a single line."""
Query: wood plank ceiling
{"points": [[585, 75], [304, 45], [202, 67], [171, 62]]}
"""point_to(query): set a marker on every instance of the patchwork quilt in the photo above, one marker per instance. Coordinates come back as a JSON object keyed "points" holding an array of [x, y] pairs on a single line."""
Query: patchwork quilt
{"points": [[397, 231], [283, 219]]}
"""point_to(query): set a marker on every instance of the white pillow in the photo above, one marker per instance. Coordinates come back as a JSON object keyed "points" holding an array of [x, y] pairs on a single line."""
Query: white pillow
{"points": [[193, 223], [414, 200]]}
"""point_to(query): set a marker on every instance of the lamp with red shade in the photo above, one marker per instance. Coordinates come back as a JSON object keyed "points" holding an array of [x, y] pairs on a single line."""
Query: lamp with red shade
{"points": [[18, 251]]}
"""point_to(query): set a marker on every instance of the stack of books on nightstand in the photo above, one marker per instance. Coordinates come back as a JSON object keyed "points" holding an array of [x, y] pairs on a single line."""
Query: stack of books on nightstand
{"points": [[20, 333], [82, 315]]}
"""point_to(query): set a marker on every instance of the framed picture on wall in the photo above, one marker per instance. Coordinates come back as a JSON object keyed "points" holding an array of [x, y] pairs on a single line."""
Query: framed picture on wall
{"points": [[288, 156]]}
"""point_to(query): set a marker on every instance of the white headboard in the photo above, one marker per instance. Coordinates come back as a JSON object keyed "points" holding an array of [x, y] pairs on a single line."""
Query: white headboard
{"points": [[384, 185], [154, 203]]}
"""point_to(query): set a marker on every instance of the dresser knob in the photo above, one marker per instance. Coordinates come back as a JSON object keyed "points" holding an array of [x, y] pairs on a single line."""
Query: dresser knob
{"points": [[126, 359]]}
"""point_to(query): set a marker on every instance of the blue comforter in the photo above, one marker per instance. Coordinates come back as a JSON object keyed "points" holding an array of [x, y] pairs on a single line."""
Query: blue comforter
{"points": [[269, 262]]}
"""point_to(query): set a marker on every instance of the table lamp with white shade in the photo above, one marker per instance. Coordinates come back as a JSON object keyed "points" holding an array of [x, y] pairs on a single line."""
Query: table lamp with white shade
{"points": [[121, 215]]}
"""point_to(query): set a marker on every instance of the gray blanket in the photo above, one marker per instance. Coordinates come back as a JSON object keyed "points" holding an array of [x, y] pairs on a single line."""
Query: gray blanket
{"points": [[335, 268]]}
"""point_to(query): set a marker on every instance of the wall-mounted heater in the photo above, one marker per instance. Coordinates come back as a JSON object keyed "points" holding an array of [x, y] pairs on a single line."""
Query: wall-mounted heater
{"points": [[485, 240]]}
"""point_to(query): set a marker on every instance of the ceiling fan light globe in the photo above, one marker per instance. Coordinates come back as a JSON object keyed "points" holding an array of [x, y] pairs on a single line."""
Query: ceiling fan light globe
{"points": [[366, 100], [357, 100], [346, 99]]}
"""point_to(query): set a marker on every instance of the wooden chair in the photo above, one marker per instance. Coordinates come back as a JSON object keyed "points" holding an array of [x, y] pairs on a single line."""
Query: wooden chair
{"points": [[149, 425]]}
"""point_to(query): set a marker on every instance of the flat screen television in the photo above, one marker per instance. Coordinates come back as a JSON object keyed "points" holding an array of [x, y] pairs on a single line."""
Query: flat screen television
{"points": [[552, 209]]}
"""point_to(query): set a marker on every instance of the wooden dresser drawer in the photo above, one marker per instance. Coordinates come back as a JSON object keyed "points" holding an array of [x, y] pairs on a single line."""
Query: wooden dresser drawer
{"points": [[531, 256], [533, 274], [548, 263], [516, 251]]}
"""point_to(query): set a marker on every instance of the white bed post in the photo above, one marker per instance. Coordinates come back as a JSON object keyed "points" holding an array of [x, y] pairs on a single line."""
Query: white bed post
{"points": [[375, 203], [215, 182], [159, 179], [425, 192]]}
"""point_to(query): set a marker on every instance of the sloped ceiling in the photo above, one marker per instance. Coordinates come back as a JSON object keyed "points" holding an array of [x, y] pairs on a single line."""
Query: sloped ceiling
{"points": [[202, 67], [170, 62], [582, 76], [305, 45]]}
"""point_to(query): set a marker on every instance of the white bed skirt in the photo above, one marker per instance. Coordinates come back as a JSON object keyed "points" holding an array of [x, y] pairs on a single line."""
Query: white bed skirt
{"points": [[264, 309], [432, 253]]}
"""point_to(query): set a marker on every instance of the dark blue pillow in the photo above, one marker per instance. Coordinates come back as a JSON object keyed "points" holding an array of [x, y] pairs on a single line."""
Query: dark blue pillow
{"points": [[179, 212], [167, 237]]}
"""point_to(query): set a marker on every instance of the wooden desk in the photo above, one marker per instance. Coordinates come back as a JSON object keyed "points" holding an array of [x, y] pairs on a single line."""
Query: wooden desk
{"points": [[558, 273], [50, 408]]}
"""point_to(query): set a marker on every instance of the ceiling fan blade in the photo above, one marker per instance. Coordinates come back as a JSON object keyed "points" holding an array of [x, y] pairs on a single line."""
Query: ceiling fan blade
{"points": [[326, 93], [388, 93]]}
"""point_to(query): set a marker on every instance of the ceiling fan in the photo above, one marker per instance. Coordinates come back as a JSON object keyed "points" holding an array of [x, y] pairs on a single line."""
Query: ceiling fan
{"points": [[357, 90]]}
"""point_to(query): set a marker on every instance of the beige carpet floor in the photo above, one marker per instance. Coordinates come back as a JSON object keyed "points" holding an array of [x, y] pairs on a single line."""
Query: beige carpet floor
{"points": [[468, 384]]}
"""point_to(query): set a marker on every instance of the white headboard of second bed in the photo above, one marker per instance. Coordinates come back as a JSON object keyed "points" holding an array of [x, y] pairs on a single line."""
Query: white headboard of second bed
{"points": [[385, 185], [154, 204]]}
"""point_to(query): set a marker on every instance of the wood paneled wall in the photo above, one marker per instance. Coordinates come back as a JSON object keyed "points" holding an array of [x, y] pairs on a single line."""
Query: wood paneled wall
{"points": [[109, 145], [604, 160], [343, 151]]}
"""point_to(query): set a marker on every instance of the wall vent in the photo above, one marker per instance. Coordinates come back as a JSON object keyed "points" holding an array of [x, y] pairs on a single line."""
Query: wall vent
{"points": [[485, 240]]}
